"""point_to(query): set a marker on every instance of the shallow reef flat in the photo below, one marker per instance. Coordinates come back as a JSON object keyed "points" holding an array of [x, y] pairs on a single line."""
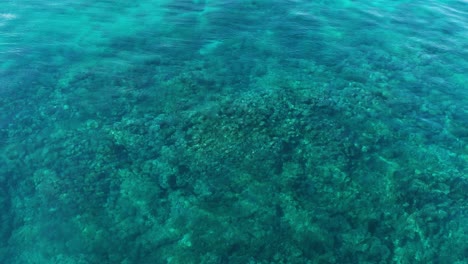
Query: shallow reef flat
{"points": [[234, 132]]}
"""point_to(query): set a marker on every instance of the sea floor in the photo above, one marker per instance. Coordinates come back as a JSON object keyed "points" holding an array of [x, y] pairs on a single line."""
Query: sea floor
{"points": [[233, 132]]}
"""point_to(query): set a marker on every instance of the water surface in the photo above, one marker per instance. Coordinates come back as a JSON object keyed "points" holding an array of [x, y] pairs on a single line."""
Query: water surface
{"points": [[233, 131]]}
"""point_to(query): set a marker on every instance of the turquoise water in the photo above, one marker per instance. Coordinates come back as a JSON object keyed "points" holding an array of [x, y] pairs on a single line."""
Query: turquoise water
{"points": [[233, 131]]}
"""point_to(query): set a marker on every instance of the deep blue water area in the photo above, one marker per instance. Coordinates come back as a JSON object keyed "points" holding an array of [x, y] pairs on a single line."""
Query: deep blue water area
{"points": [[251, 131]]}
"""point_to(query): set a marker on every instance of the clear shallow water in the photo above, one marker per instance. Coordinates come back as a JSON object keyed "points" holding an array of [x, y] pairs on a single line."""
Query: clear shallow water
{"points": [[233, 132]]}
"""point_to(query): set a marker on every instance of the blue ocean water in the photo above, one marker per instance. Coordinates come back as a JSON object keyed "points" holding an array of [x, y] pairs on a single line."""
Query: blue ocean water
{"points": [[203, 131]]}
